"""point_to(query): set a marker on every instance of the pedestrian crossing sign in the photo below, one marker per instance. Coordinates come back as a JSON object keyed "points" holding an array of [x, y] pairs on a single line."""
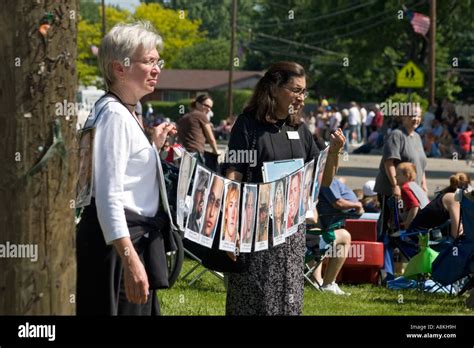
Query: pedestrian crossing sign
{"points": [[410, 76]]}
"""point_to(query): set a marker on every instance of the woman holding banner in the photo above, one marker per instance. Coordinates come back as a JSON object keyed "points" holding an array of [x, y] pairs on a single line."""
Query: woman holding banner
{"points": [[272, 126]]}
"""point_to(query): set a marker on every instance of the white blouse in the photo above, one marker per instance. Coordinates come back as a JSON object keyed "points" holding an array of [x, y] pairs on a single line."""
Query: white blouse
{"points": [[125, 169]]}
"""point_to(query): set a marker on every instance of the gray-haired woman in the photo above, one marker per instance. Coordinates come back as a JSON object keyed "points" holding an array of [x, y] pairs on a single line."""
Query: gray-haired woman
{"points": [[120, 250]]}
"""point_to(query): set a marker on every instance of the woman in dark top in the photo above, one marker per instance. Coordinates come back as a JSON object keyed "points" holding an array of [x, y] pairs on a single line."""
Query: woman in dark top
{"points": [[271, 125], [442, 208], [194, 128]]}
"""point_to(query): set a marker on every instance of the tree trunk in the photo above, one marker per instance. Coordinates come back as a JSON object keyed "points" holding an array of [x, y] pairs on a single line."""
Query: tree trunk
{"points": [[37, 198]]}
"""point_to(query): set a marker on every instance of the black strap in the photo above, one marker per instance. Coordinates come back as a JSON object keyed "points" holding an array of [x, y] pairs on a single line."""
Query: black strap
{"points": [[134, 117], [252, 147]]}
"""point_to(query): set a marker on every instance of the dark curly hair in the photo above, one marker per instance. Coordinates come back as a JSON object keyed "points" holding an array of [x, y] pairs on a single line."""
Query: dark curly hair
{"points": [[263, 102]]}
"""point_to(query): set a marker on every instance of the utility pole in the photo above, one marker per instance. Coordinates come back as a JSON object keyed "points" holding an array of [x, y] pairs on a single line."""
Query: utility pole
{"points": [[231, 57], [103, 18], [39, 156], [432, 51]]}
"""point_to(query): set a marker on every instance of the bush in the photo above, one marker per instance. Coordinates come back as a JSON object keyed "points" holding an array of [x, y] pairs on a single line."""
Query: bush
{"points": [[239, 97], [175, 109], [409, 98], [169, 109]]}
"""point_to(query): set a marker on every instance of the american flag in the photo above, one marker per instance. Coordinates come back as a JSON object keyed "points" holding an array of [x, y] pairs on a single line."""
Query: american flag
{"points": [[420, 23]]}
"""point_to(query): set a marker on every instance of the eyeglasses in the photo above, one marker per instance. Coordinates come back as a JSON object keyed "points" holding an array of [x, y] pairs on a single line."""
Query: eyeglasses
{"points": [[298, 91], [160, 63]]}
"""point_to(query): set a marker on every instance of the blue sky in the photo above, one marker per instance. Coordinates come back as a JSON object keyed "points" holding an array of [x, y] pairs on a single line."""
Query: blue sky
{"points": [[126, 4]]}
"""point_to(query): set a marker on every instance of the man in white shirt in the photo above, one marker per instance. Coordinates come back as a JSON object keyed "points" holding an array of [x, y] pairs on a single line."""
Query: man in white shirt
{"points": [[363, 118], [354, 121]]}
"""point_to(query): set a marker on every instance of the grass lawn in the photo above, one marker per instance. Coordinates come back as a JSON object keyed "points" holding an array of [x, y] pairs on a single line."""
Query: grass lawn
{"points": [[207, 297]]}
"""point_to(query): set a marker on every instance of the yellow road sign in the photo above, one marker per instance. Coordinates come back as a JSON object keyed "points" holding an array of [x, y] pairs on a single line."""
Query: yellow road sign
{"points": [[410, 76]]}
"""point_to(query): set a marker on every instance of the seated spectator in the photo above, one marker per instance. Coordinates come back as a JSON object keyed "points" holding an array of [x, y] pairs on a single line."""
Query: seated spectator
{"points": [[442, 208], [333, 201], [445, 144], [413, 196], [437, 128], [370, 201], [373, 142]]}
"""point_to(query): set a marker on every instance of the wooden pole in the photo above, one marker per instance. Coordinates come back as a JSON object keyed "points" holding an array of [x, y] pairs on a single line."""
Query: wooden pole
{"points": [[231, 57], [38, 152], [432, 51], [103, 18]]}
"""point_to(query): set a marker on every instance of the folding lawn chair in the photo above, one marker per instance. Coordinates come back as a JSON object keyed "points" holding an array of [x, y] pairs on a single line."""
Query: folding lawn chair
{"points": [[195, 252], [456, 262]]}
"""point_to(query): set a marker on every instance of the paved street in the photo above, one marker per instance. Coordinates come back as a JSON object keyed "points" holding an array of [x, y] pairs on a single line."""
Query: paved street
{"points": [[357, 169], [360, 168]]}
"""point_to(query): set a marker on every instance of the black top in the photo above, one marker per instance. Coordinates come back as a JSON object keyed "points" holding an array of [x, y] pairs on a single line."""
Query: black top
{"points": [[272, 144], [431, 216]]}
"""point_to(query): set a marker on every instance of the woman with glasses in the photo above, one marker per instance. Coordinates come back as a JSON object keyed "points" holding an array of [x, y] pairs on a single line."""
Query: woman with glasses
{"points": [[113, 275], [195, 128], [271, 124]]}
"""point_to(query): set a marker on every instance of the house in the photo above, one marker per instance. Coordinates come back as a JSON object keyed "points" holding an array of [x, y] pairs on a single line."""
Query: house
{"points": [[176, 84]]}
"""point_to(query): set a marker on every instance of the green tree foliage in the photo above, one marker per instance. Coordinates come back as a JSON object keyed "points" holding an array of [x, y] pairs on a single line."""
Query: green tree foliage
{"points": [[352, 50], [177, 31], [212, 54]]}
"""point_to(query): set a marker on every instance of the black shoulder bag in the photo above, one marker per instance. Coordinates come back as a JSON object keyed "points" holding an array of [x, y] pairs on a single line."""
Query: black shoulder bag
{"points": [[218, 260]]}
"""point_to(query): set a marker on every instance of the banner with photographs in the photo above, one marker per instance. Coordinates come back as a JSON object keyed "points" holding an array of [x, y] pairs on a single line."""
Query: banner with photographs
{"points": [[247, 212]]}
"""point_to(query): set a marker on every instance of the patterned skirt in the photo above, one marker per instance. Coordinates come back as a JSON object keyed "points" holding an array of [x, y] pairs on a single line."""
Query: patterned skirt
{"points": [[274, 282]]}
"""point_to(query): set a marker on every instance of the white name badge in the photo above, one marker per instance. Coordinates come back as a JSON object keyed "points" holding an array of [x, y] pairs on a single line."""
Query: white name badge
{"points": [[293, 135]]}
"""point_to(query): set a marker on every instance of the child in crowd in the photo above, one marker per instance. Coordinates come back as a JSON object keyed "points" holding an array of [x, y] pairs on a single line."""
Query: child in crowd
{"points": [[413, 196], [370, 201]]}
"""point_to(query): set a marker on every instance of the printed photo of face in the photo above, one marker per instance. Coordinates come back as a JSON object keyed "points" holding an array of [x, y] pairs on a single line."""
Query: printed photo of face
{"points": [[200, 187], [184, 174], [279, 208], [318, 177], [294, 196], [263, 213], [213, 206], [248, 223], [231, 212], [308, 179]]}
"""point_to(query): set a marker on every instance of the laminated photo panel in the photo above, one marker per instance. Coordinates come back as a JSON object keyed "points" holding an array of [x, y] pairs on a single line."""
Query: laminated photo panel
{"points": [[212, 211], [307, 185], [295, 184], [230, 216], [318, 175], [275, 170], [279, 211], [186, 168], [199, 194], [248, 217], [85, 180], [263, 217]]}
